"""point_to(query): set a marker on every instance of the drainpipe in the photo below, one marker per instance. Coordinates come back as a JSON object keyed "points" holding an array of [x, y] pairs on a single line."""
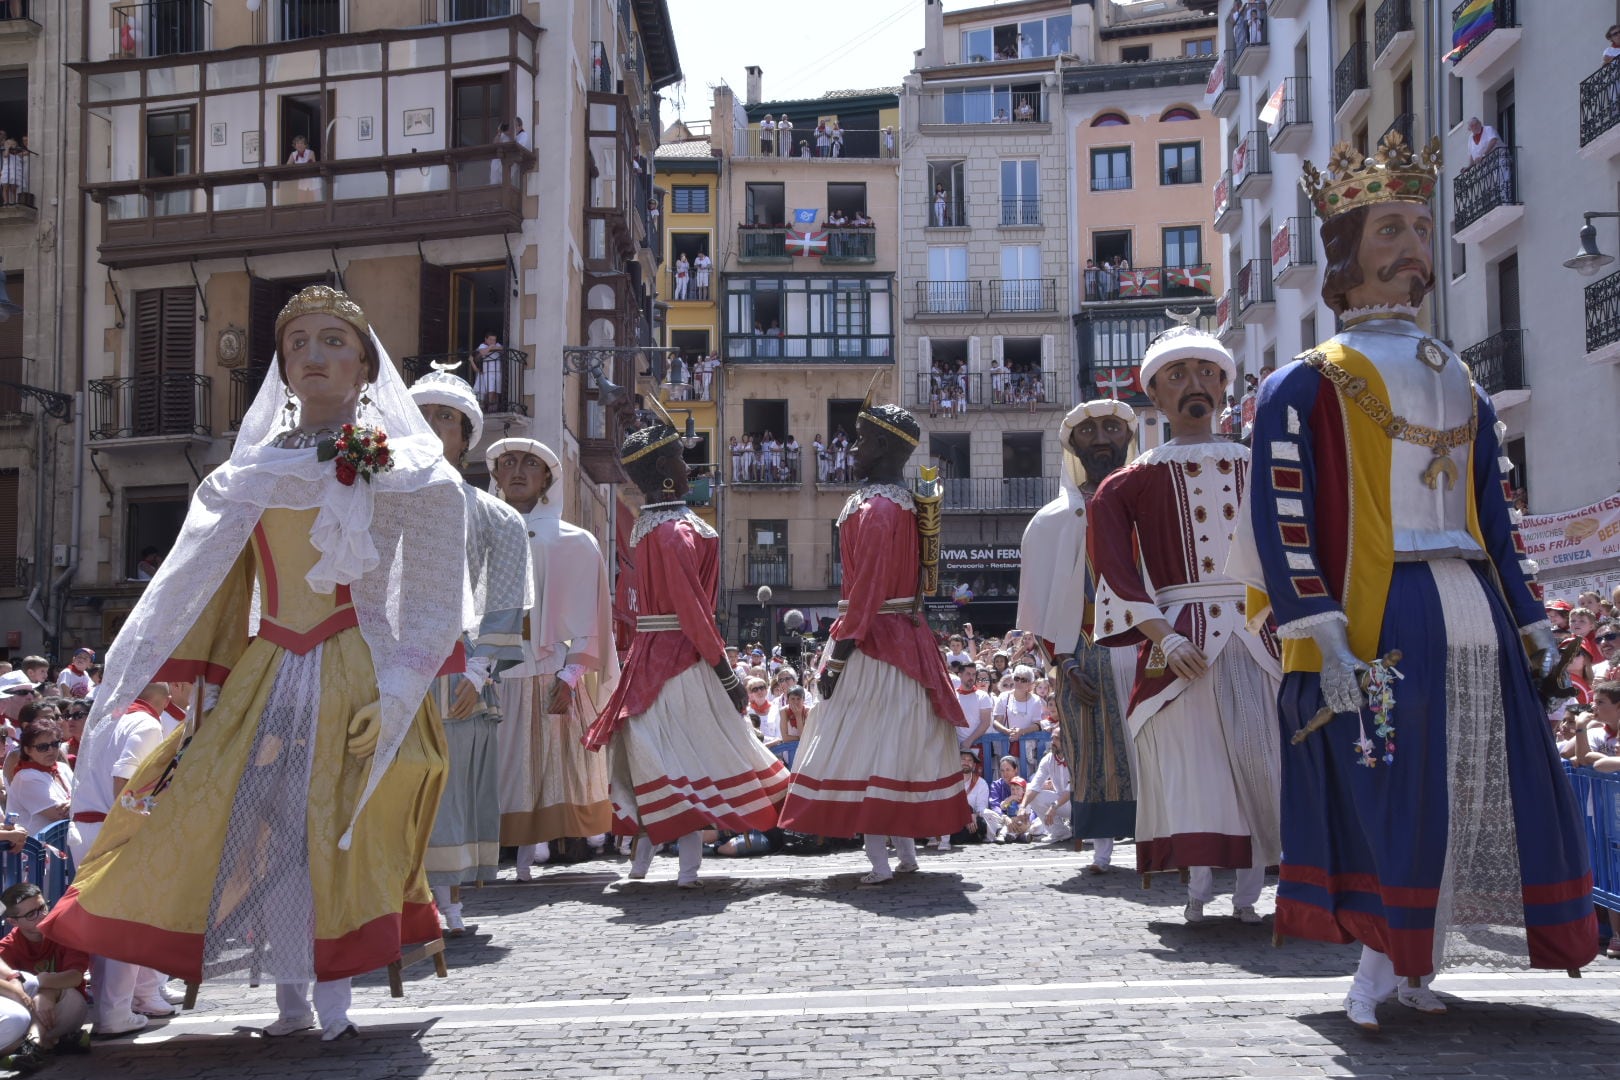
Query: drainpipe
{"points": [[59, 587]]}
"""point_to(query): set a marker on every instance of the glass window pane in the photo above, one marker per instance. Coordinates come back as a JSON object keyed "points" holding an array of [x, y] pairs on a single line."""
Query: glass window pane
{"points": [[228, 74], [290, 67], [117, 86], [415, 53], [483, 45], [354, 59], [175, 80]]}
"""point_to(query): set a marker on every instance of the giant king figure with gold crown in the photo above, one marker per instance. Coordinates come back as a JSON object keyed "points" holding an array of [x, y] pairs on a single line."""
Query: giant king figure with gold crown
{"points": [[1424, 810]]}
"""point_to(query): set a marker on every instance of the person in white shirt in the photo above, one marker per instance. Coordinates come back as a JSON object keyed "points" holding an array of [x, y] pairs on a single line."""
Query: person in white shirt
{"points": [[957, 652], [489, 383], [978, 706], [74, 681], [784, 137], [1021, 712], [42, 787], [521, 136], [767, 136], [125, 994], [1048, 798], [700, 275], [978, 798]]}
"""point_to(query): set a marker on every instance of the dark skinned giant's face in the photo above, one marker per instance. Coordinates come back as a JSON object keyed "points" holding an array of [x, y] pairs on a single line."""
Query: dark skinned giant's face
{"points": [[1100, 442], [1186, 392], [1396, 256], [874, 448]]}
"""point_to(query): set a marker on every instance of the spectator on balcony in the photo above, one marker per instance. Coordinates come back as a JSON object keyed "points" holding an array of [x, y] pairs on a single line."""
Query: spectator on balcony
{"points": [[823, 140], [860, 220], [487, 365], [736, 451], [151, 559], [1093, 280], [784, 136], [819, 445], [1001, 117], [961, 393], [683, 276], [837, 219], [790, 459], [940, 220], [836, 135], [497, 167], [521, 136], [1482, 139], [887, 142], [1025, 112], [767, 136], [840, 457], [13, 172], [804, 149], [1611, 50], [700, 277], [309, 188], [750, 459], [770, 458], [998, 383]]}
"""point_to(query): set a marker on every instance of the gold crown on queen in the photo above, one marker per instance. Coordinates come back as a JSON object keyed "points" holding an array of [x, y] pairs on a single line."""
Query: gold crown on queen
{"points": [[1395, 173]]}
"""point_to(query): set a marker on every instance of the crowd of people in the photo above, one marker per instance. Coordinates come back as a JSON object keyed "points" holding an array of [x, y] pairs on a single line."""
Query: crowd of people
{"points": [[950, 387], [693, 379], [764, 459]]}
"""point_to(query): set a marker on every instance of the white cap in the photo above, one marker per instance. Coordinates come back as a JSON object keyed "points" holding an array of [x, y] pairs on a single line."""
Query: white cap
{"points": [[447, 388], [1185, 343], [522, 445]]}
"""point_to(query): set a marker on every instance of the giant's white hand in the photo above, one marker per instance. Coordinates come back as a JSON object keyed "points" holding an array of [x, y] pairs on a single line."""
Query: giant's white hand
{"points": [[1341, 670]]}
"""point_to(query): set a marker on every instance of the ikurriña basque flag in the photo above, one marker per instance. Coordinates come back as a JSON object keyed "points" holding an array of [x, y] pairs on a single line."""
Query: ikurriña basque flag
{"points": [[805, 217]]}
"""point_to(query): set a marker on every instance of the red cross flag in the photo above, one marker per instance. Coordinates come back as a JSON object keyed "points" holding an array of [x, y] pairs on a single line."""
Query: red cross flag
{"points": [[807, 245]]}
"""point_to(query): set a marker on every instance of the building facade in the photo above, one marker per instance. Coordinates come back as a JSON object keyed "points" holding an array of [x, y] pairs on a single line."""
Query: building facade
{"points": [[41, 411], [1512, 214], [421, 194], [1144, 147], [807, 314]]}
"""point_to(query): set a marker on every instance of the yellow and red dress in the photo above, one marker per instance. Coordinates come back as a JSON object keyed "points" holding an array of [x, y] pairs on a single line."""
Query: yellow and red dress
{"points": [[234, 871]]}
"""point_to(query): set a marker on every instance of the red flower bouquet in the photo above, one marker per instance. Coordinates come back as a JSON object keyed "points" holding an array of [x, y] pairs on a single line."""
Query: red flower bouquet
{"points": [[360, 452]]}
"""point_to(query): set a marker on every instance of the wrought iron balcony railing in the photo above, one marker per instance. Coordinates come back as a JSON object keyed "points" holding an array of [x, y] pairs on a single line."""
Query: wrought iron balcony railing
{"points": [[23, 11], [1146, 282], [991, 494], [1350, 75], [1020, 210], [496, 379], [163, 27], [1469, 29], [1254, 285], [760, 467], [773, 570], [1603, 312], [1392, 17], [245, 383], [1250, 27], [1490, 182], [1406, 124], [1023, 295], [1497, 362], [601, 69], [298, 19], [850, 245], [948, 298], [1293, 246], [1600, 102], [1295, 107], [144, 406]]}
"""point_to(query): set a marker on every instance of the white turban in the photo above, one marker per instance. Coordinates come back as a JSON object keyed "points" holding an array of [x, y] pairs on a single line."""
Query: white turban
{"points": [[523, 446], [1186, 343]]}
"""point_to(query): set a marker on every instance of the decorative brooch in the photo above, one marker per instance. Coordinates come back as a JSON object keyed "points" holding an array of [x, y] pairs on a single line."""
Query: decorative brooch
{"points": [[360, 452]]}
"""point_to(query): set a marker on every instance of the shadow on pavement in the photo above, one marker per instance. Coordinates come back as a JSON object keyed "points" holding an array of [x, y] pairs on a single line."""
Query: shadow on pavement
{"points": [[922, 895], [382, 1051], [1503, 1039]]}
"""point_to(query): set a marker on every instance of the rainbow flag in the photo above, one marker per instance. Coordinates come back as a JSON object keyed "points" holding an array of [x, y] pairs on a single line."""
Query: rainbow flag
{"points": [[1471, 22]]}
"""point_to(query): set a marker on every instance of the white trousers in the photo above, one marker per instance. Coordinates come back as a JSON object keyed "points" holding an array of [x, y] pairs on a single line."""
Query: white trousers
{"points": [[689, 847], [15, 1020], [1375, 979], [1103, 851], [877, 852], [1201, 885], [331, 1001], [118, 985]]}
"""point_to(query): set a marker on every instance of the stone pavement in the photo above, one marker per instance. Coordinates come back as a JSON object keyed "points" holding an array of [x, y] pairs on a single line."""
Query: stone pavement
{"points": [[991, 961]]}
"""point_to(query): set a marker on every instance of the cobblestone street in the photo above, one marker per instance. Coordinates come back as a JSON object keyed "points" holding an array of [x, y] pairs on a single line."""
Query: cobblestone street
{"points": [[990, 961]]}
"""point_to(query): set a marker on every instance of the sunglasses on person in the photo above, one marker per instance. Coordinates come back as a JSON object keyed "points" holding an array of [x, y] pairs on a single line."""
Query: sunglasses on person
{"points": [[47, 745], [30, 915], [1611, 636]]}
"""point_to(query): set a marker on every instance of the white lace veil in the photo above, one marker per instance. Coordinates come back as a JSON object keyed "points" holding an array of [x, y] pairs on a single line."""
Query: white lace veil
{"points": [[392, 541]]}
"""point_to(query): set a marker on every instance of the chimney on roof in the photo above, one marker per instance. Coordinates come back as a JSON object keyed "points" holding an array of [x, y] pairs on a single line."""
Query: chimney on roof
{"points": [[755, 85]]}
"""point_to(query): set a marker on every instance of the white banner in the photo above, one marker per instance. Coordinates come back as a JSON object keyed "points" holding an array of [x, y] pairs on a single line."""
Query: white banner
{"points": [[1585, 535]]}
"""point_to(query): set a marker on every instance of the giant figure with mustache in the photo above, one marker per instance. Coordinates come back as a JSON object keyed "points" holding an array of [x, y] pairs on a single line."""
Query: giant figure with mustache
{"points": [[1202, 715], [1438, 827]]}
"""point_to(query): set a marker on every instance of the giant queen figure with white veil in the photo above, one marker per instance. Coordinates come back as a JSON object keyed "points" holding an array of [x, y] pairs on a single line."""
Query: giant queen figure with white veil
{"points": [[280, 836]]}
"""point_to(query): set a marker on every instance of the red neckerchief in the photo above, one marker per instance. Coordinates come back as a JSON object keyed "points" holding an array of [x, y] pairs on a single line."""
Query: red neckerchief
{"points": [[27, 763], [140, 706]]}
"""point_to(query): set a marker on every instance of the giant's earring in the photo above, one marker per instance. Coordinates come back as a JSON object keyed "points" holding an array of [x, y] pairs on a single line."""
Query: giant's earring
{"points": [[365, 394], [669, 485], [292, 405]]}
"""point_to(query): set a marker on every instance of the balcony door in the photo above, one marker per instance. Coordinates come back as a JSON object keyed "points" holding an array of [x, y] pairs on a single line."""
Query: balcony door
{"points": [[1020, 277], [303, 116], [297, 19], [1507, 293], [164, 361], [480, 110], [478, 306], [169, 152], [948, 278]]}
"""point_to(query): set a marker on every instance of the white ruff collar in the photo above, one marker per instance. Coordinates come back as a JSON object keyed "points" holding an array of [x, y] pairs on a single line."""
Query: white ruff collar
{"points": [[1218, 450], [1404, 312], [648, 521], [895, 493]]}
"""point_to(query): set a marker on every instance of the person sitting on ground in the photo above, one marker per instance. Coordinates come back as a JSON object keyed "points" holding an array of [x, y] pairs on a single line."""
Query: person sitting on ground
{"points": [[1048, 797], [978, 797], [1006, 795], [51, 976]]}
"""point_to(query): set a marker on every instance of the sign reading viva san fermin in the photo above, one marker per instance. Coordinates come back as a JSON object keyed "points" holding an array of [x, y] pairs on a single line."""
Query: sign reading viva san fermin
{"points": [[1001, 557]]}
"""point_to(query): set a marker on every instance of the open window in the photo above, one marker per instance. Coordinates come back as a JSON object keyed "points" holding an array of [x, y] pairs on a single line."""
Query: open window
{"points": [[850, 199], [766, 204], [152, 520], [1020, 453]]}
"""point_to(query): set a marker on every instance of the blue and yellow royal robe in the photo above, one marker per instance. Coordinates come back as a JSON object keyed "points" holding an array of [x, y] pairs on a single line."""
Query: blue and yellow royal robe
{"points": [[1364, 848]]}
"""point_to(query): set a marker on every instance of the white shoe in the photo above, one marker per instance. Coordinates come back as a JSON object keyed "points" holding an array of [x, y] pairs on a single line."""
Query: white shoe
{"points": [[287, 1025], [156, 1008], [119, 1026], [173, 996], [453, 922], [1361, 1013], [1248, 916], [339, 1029], [1422, 999], [688, 883], [944, 843], [875, 878], [542, 854], [906, 868], [934, 843], [1194, 911]]}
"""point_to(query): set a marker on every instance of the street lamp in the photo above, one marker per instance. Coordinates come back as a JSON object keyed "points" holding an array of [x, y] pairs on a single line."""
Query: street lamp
{"points": [[1588, 259]]}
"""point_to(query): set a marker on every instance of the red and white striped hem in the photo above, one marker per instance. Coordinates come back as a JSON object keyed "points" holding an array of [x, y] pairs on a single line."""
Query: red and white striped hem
{"points": [[670, 807], [876, 804]]}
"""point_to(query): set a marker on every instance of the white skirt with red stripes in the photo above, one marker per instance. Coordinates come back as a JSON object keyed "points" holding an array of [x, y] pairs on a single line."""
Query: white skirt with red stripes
{"points": [[876, 760], [692, 762]]}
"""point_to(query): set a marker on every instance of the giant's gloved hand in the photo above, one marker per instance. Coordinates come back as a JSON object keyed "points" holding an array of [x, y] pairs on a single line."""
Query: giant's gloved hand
{"points": [[1542, 645], [364, 730], [1341, 670]]}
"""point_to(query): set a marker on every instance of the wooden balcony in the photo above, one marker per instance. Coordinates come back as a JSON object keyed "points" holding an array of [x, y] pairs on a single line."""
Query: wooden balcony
{"points": [[473, 191]]}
